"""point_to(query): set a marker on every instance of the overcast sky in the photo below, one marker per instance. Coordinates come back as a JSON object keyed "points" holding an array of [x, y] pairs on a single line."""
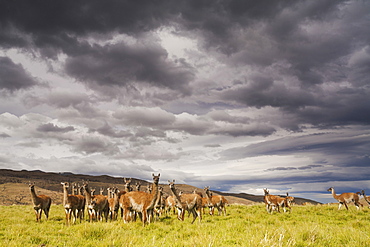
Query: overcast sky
{"points": [[236, 95]]}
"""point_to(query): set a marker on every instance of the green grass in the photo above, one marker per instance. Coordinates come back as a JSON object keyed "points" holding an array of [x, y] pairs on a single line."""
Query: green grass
{"points": [[243, 226]]}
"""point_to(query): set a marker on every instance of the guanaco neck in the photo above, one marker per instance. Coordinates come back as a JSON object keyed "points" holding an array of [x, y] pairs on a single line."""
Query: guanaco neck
{"points": [[209, 197], [80, 190], [333, 193], [115, 196], [73, 189], [87, 194], [154, 192], [110, 191], [159, 196], [175, 195], [65, 194], [33, 194]]}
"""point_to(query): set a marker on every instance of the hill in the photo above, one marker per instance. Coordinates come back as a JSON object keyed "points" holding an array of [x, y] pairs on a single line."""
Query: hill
{"points": [[255, 198], [14, 187]]}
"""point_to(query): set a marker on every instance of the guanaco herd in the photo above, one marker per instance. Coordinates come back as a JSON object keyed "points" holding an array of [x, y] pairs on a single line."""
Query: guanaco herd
{"points": [[151, 204], [273, 202], [129, 203]]}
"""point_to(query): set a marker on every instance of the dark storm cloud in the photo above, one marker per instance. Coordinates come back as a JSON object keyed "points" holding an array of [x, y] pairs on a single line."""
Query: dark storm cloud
{"points": [[310, 36], [346, 106], [315, 43], [275, 95], [306, 44], [49, 127], [13, 76], [4, 135], [46, 20], [249, 68], [339, 149], [359, 65], [220, 23], [292, 168], [259, 129], [329, 105], [119, 65], [61, 27]]}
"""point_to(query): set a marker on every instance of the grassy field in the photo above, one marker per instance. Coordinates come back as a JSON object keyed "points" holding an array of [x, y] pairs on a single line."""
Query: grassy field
{"points": [[243, 226]]}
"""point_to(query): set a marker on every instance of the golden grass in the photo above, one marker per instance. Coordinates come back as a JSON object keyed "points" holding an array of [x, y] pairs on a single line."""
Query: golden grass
{"points": [[243, 226]]}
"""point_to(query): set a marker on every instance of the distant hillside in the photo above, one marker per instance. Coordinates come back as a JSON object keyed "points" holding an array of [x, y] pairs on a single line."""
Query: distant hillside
{"points": [[255, 198], [14, 187]]}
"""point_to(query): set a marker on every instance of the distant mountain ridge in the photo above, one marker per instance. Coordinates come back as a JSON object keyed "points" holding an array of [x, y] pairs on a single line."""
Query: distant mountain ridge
{"points": [[257, 198], [49, 183]]}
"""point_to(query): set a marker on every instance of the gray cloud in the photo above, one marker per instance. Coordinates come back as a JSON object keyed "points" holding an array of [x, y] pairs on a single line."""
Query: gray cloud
{"points": [[49, 127], [212, 145], [122, 65], [275, 95], [226, 117], [177, 86], [145, 117], [4, 135], [335, 149], [69, 18], [107, 130], [30, 144], [292, 168], [259, 129], [13, 76], [92, 145]]}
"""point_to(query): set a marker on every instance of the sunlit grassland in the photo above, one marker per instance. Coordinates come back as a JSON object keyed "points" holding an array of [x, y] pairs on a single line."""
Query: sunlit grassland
{"points": [[243, 226]]}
